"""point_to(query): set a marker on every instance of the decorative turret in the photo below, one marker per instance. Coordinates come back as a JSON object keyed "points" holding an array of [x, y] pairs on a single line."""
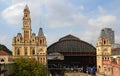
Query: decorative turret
{"points": [[40, 33], [42, 39]]}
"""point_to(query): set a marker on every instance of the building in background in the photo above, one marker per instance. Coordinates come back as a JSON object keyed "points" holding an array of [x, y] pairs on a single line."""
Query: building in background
{"points": [[27, 44], [6, 65], [109, 34]]}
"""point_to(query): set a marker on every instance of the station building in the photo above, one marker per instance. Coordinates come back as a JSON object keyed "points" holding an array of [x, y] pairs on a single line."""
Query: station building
{"points": [[70, 54]]}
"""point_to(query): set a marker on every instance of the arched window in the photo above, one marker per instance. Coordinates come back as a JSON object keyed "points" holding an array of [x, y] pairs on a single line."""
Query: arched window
{"points": [[43, 41], [2, 60], [104, 42], [25, 15], [33, 51], [18, 52], [99, 67], [40, 41], [33, 40], [25, 51]]}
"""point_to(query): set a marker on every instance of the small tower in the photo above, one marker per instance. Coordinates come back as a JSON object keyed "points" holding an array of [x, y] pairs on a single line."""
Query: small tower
{"points": [[42, 39], [103, 50], [26, 29], [42, 46]]}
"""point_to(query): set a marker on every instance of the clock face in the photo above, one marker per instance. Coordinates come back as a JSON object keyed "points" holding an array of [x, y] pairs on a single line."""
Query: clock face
{"points": [[25, 22], [105, 49]]}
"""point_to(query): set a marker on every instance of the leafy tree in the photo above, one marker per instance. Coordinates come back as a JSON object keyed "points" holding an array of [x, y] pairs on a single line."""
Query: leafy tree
{"points": [[28, 67]]}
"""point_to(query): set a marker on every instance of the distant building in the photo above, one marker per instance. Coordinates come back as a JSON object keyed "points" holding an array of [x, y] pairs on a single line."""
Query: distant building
{"points": [[109, 34], [6, 66], [115, 45], [115, 62], [28, 44], [4, 56]]}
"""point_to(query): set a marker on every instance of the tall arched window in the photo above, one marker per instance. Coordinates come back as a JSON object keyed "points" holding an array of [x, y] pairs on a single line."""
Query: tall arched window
{"points": [[40, 41], [43, 41], [104, 42], [18, 52], [33, 51], [25, 51]]}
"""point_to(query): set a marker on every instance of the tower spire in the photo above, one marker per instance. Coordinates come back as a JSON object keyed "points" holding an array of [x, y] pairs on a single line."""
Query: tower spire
{"points": [[26, 7], [40, 33], [26, 12]]}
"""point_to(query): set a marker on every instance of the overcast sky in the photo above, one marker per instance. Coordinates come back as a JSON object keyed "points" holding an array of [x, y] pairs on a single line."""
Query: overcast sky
{"points": [[81, 18]]}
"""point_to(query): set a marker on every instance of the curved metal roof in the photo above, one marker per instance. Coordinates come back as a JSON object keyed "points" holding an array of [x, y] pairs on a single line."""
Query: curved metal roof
{"points": [[71, 43]]}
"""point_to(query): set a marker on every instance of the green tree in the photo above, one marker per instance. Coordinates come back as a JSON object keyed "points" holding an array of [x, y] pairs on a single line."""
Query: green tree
{"points": [[28, 67]]}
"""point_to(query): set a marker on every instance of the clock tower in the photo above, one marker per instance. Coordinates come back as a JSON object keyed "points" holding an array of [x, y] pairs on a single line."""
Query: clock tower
{"points": [[26, 32], [103, 50], [29, 44]]}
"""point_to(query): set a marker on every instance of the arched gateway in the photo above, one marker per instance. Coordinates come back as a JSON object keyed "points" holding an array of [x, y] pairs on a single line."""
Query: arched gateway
{"points": [[70, 53]]}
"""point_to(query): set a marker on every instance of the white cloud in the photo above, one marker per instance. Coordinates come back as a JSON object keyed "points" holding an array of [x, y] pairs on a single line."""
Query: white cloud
{"points": [[5, 41], [57, 13], [2, 39], [104, 21], [61, 13], [51, 39], [81, 7], [13, 14], [79, 19]]}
